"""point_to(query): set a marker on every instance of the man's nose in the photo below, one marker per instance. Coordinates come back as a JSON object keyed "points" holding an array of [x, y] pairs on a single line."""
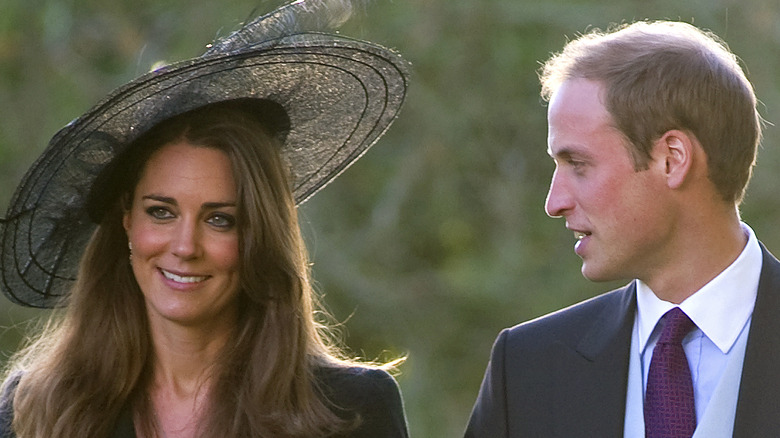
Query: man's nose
{"points": [[558, 199]]}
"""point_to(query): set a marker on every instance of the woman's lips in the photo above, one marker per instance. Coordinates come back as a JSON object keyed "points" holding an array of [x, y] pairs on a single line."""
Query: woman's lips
{"points": [[182, 278]]}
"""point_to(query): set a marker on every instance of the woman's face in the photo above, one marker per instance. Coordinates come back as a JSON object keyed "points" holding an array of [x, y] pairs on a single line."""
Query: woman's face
{"points": [[184, 237]]}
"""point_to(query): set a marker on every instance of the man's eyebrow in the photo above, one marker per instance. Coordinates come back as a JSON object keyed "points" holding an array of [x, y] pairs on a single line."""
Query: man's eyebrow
{"points": [[564, 152]]}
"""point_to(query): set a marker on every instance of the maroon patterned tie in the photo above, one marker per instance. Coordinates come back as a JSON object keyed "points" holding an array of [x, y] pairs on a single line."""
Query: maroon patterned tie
{"points": [[669, 408]]}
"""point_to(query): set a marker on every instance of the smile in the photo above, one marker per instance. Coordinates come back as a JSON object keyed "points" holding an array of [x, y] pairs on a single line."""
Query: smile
{"points": [[579, 235], [182, 279]]}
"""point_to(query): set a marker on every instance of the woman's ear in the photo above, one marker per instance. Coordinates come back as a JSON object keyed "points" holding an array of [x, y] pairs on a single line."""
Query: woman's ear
{"points": [[126, 204], [676, 150], [126, 222]]}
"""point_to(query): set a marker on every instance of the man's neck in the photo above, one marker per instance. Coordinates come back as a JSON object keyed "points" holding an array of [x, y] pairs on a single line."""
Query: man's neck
{"points": [[698, 257]]}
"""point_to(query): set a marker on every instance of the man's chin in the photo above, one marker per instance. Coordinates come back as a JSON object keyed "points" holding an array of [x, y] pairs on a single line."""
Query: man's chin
{"points": [[597, 274]]}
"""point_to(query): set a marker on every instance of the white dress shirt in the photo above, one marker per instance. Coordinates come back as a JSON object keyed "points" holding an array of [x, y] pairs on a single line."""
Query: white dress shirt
{"points": [[721, 310]]}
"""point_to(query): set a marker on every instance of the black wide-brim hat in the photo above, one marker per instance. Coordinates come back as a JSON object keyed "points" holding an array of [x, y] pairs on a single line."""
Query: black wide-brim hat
{"points": [[340, 95]]}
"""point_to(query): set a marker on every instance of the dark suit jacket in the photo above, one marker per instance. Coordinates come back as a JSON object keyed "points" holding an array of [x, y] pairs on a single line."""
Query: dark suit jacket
{"points": [[371, 394], [565, 374]]}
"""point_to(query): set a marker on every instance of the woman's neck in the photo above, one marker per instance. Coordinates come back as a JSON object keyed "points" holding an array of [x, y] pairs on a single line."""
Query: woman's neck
{"points": [[184, 364]]}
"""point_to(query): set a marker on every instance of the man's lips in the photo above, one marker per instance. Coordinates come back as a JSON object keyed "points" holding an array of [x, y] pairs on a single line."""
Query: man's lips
{"points": [[582, 239], [579, 235]]}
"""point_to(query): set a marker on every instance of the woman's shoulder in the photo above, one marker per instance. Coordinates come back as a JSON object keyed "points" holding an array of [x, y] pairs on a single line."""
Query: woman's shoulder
{"points": [[371, 394], [363, 380], [356, 387]]}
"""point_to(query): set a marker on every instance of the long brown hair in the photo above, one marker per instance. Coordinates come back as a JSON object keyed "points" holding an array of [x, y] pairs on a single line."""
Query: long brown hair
{"points": [[95, 360]]}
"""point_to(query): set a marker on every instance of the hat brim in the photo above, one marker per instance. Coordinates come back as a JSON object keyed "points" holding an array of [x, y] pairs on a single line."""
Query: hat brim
{"points": [[340, 96]]}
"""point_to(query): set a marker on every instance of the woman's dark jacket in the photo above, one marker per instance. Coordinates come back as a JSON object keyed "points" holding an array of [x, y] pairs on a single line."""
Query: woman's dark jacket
{"points": [[371, 394]]}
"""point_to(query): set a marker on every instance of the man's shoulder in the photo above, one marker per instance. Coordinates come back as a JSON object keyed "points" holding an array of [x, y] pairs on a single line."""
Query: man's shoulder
{"points": [[574, 321]]}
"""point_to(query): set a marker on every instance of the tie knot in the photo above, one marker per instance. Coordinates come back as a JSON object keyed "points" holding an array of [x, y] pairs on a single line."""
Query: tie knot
{"points": [[676, 326]]}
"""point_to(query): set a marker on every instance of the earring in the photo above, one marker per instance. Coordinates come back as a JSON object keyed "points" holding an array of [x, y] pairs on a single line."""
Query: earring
{"points": [[130, 247]]}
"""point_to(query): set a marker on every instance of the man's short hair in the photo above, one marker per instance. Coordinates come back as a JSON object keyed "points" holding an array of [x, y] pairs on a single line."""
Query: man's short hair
{"points": [[661, 75]]}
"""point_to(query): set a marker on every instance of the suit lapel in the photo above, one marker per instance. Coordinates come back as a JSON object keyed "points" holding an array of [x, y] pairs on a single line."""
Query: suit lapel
{"points": [[594, 372], [758, 408]]}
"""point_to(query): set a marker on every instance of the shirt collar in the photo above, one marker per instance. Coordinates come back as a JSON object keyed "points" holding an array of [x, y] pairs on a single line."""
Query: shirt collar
{"points": [[720, 308]]}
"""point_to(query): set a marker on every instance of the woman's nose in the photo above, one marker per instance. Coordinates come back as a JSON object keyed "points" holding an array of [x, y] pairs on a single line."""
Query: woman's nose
{"points": [[185, 242]]}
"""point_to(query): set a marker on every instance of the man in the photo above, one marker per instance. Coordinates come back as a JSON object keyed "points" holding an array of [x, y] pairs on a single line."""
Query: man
{"points": [[653, 129]]}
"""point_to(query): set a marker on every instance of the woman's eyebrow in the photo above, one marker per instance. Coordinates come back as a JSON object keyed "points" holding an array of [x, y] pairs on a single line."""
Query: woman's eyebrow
{"points": [[160, 198]]}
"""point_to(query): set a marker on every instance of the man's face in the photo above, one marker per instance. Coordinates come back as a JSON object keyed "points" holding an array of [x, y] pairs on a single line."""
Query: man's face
{"points": [[616, 213]]}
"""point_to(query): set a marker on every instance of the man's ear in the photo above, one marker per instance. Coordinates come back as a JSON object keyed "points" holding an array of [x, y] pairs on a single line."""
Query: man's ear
{"points": [[676, 150]]}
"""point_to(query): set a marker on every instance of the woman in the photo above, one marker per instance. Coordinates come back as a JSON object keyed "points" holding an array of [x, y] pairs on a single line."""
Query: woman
{"points": [[192, 312]]}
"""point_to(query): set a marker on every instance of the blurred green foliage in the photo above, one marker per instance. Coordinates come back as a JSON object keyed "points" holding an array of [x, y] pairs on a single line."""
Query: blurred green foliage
{"points": [[437, 238]]}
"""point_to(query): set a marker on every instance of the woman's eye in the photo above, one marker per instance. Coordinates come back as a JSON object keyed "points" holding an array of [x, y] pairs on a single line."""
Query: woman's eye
{"points": [[222, 221], [159, 213]]}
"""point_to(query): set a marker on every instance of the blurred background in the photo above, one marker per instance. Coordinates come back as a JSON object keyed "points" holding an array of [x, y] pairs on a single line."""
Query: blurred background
{"points": [[437, 238]]}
